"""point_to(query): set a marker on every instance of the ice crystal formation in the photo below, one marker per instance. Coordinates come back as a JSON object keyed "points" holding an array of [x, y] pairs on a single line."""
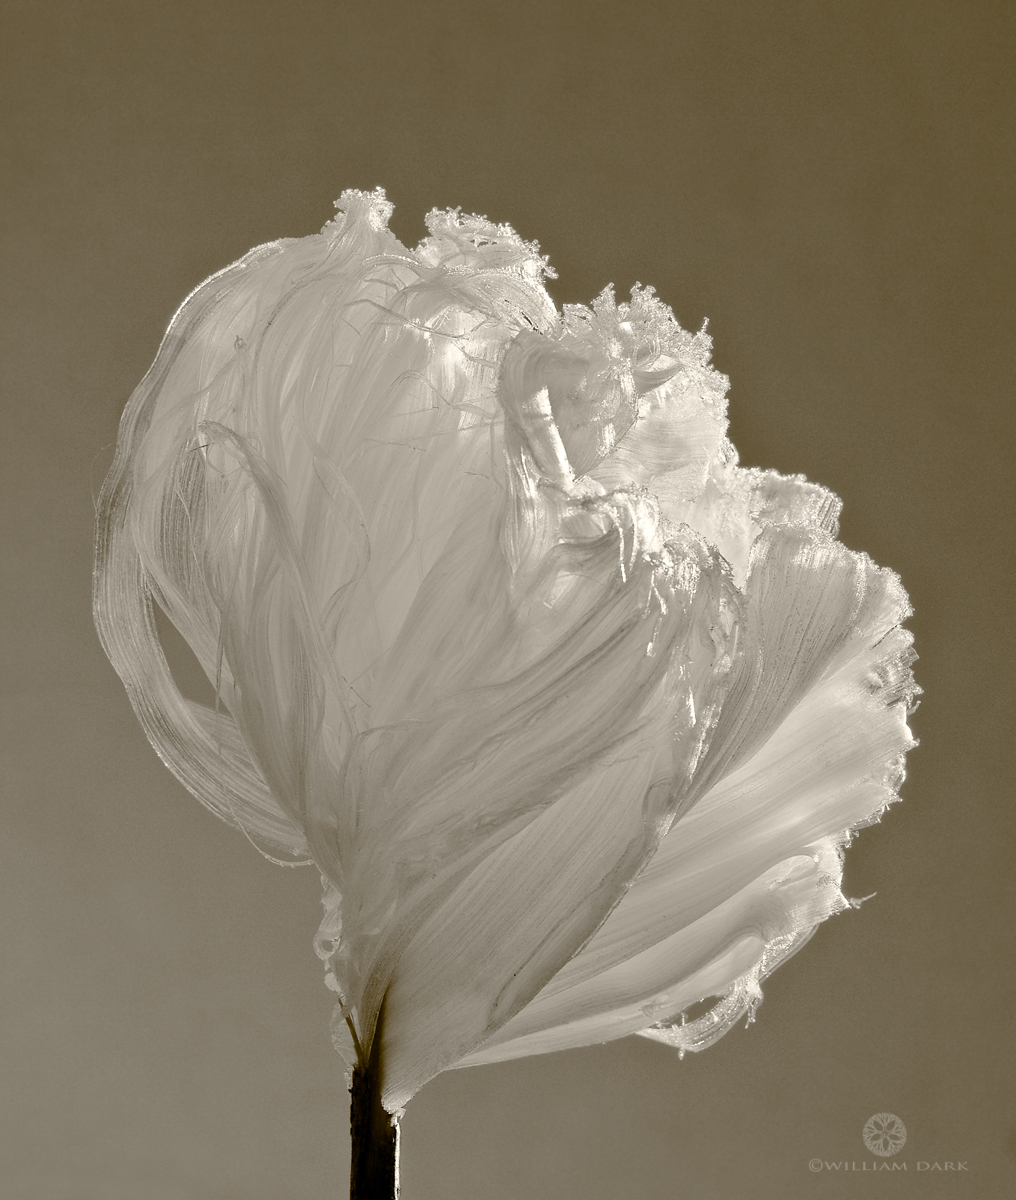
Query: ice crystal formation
{"points": [[574, 714]]}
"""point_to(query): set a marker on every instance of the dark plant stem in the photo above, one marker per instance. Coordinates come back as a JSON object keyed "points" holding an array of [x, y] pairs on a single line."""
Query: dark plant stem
{"points": [[374, 1163]]}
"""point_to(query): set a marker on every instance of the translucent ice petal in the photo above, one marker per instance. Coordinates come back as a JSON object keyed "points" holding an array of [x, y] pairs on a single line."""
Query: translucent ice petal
{"points": [[704, 958], [831, 766]]}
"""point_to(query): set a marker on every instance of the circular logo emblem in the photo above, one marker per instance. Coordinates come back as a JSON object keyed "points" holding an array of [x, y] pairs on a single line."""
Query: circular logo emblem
{"points": [[884, 1134]]}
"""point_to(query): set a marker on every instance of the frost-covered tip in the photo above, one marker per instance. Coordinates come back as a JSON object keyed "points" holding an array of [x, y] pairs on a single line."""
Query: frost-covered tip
{"points": [[574, 714]]}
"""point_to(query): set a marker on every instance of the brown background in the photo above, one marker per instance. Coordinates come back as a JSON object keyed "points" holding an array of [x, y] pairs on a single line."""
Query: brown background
{"points": [[829, 184]]}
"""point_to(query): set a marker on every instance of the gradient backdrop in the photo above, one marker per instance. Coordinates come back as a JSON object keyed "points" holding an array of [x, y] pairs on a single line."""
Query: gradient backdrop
{"points": [[828, 183]]}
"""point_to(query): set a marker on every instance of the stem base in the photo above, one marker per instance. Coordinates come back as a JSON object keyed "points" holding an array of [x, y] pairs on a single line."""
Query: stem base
{"points": [[374, 1162]]}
